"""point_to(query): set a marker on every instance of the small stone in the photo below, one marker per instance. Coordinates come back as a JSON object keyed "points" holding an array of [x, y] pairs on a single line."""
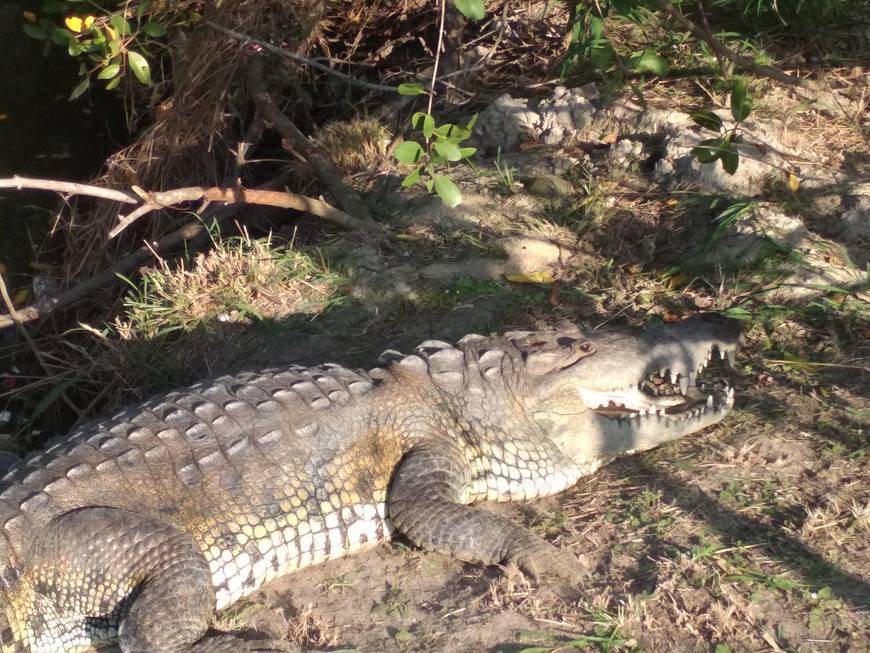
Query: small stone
{"points": [[551, 187]]}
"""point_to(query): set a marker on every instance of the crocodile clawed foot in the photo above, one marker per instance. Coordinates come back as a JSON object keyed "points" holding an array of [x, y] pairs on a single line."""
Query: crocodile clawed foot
{"points": [[551, 568]]}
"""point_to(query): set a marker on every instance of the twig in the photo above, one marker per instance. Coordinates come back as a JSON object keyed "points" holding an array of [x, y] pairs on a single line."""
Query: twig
{"points": [[14, 314], [107, 277], [190, 232], [481, 63], [69, 188], [738, 60], [437, 56], [164, 199], [321, 165], [284, 200], [286, 54], [706, 27]]}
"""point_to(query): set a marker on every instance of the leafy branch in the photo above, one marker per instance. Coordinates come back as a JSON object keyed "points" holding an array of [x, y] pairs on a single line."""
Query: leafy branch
{"points": [[442, 146]]}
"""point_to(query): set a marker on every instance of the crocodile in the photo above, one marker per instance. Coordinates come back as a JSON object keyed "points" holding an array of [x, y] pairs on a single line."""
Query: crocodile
{"points": [[138, 528]]}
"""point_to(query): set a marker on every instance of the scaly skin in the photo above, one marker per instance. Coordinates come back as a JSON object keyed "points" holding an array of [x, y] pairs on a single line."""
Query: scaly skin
{"points": [[139, 527]]}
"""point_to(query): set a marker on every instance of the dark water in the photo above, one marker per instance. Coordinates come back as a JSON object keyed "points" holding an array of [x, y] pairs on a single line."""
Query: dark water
{"points": [[42, 134]]}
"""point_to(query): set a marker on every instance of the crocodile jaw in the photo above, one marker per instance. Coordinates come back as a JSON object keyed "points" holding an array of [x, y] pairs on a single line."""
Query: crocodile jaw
{"points": [[638, 390]]}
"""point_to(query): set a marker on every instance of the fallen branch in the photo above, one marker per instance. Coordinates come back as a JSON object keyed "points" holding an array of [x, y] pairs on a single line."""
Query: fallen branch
{"points": [[68, 188], [280, 199], [330, 181], [721, 50], [169, 198], [124, 266]]}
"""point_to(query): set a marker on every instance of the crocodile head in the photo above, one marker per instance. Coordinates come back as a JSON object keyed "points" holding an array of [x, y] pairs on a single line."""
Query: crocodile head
{"points": [[600, 394]]}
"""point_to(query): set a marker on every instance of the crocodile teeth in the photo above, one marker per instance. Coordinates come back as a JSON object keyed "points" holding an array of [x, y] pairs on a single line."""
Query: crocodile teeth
{"points": [[709, 401], [674, 377], [663, 372], [684, 385], [731, 358]]}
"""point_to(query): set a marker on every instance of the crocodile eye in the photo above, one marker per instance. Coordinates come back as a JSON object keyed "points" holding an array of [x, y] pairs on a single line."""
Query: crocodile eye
{"points": [[565, 341]]}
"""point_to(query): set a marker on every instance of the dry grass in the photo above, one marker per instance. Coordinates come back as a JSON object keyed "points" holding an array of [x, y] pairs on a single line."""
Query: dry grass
{"points": [[310, 629], [355, 145], [235, 281]]}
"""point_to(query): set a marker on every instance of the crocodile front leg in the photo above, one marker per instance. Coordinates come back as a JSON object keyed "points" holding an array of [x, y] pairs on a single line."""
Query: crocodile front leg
{"points": [[101, 573], [424, 502]]}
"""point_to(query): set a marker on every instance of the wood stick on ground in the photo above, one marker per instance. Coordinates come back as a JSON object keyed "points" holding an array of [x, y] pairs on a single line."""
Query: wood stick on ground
{"points": [[191, 232], [330, 180], [68, 188], [722, 50], [164, 199], [280, 199]]}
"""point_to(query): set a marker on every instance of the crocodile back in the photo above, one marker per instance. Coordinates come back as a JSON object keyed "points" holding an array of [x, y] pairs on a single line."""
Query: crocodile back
{"points": [[268, 471]]}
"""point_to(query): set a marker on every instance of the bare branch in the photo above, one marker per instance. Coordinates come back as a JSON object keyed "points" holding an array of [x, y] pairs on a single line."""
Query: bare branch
{"points": [[720, 49], [284, 200], [321, 165], [69, 188]]}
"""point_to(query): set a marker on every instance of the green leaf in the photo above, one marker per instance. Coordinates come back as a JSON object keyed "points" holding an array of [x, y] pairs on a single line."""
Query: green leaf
{"points": [[467, 151], [708, 150], [443, 130], [139, 66], [408, 152], [428, 126], [649, 62], [428, 123], [414, 88], [109, 71], [707, 119], [154, 29], [448, 150], [114, 47], [411, 179], [113, 83], [737, 313], [601, 56], [35, 32], [473, 9], [741, 101], [80, 88], [471, 123], [730, 157], [121, 25], [61, 36], [447, 191]]}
